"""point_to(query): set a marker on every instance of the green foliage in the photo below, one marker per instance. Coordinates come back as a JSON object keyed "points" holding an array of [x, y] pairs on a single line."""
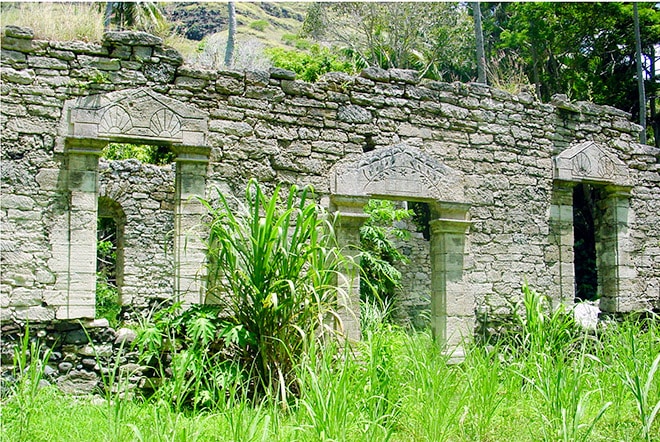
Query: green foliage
{"points": [[146, 153], [636, 367], [201, 345], [107, 300], [434, 38], [272, 266], [542, 330], [309, 65], [378, 275], [584, 50], [30, 359], [259, 25]]}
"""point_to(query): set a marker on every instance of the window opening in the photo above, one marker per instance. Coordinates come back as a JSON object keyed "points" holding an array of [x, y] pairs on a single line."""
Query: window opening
{"points": [[584, 234], [107, 275]]}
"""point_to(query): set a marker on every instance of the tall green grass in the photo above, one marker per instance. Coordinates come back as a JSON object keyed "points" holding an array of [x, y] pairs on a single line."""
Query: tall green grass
{"points": [[57, 20], [272, 268], [394, 385]]}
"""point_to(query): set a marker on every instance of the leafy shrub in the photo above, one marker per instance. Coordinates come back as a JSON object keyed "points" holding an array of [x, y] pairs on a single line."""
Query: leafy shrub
{"points": [[309, 65], [379, 277], [259, 25]]}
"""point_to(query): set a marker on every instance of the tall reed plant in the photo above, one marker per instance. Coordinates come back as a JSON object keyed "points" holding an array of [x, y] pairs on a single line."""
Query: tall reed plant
{"points": [[272, 267]]}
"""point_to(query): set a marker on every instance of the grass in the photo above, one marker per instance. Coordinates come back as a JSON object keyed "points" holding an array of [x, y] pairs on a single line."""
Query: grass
{"points": [[56, 21], [395, 385]]}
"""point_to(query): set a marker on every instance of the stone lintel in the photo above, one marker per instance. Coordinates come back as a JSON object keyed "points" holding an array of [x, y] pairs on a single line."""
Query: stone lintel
{"points": [[439, 226], [191, 154], [85, 146]]}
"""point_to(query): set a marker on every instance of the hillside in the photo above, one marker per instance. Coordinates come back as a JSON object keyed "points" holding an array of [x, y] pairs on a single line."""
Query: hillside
{"points": [[265, 21]]}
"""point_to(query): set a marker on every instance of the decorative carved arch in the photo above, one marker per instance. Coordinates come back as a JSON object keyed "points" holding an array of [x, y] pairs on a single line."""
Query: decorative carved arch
{"points": [[590, 162], [399, 171], [138, 115]]}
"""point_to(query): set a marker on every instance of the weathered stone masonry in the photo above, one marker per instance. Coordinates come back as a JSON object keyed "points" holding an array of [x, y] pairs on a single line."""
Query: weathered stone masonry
{"points": [[498, 171]]}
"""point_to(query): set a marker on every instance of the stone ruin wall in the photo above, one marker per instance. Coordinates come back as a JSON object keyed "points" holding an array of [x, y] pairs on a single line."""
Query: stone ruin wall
{"points": [[414, 295], [268, 126]]}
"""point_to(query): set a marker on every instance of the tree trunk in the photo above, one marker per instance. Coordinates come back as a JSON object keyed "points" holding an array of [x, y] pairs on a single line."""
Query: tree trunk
{"points": [[478, 31], [107, 16], [640, 77], [655, 117], [229, 52]]}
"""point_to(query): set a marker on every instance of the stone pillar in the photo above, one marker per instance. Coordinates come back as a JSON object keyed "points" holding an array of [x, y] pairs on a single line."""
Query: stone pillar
{"points": [[351, 217], [189, 248], [80, 254], [616, 273], [561, 229], [452, 309]]}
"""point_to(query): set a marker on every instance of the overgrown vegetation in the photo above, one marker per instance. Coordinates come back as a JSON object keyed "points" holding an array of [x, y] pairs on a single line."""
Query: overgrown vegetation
{"points": [[107, 292], [271, 273], [379, 277], [551, 382], [145, 153]]}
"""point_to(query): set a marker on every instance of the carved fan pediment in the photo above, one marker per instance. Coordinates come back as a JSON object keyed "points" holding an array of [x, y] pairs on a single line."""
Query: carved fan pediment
{"points": [[397, 171], [589, 161], [139, 115]]}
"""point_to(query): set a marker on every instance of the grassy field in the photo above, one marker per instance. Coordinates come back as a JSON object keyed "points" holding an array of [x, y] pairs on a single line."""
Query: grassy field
{"points": [[546, 384]]}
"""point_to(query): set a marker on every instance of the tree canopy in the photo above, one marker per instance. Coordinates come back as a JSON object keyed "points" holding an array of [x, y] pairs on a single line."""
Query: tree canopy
{"points": [[584, 50]]}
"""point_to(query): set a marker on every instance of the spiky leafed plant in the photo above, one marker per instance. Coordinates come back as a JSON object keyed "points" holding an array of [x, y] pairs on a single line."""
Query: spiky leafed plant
{"points": [[272, 267]]}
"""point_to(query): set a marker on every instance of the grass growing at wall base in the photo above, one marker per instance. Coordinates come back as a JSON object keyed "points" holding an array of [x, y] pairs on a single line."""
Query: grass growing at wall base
{"points": [[396, 386]]}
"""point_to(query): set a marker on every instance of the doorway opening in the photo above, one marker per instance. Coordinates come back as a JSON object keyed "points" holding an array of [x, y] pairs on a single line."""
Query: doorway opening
{"points": [[585, 199], [395, 261], [159, 155]]}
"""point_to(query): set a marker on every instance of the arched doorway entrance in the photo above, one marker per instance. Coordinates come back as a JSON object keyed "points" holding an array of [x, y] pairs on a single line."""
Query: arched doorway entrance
{"points": [[401, 172], [138, 116], [589, 177]]}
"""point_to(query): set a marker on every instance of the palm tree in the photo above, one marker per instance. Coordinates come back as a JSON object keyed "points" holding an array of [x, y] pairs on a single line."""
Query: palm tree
{"points": [[140, 15]]}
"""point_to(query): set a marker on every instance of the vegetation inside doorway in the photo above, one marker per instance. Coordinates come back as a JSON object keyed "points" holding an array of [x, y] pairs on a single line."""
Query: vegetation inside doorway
{"points": [[388, 223], [159, 155], [107, 287]]}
